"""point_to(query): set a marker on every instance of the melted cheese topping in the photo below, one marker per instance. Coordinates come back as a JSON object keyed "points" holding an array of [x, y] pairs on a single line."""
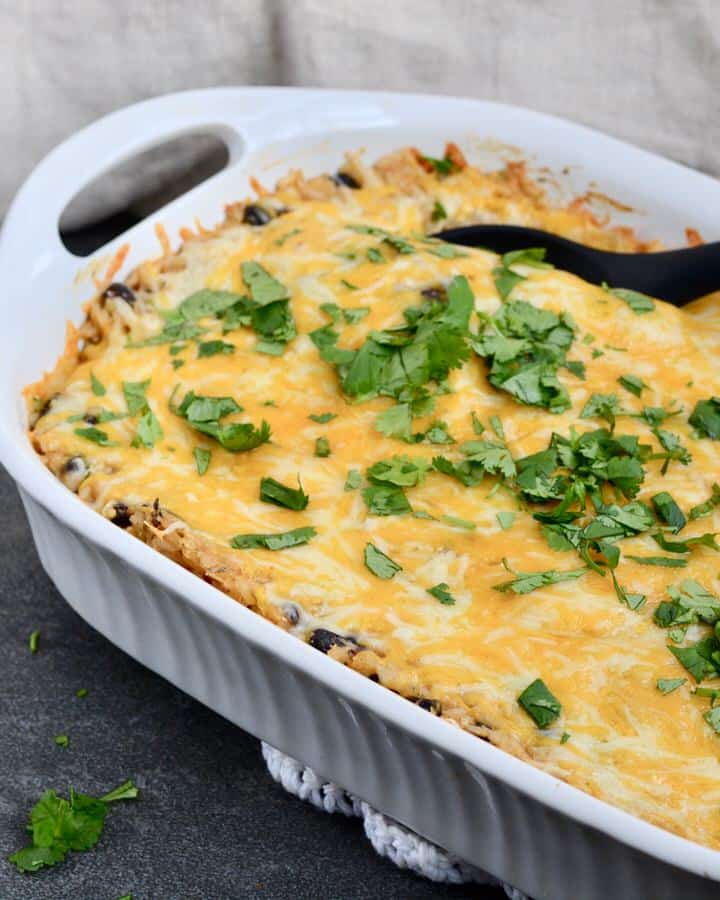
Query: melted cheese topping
{"points": [[650, 753]]}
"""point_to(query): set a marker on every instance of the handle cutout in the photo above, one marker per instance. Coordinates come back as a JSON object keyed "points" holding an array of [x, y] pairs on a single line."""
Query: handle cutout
{"points": [[129, 192]]}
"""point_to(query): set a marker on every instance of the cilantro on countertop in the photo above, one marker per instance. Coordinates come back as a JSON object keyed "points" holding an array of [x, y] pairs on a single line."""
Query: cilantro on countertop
{"points": [[34, 641], [58, 826]]}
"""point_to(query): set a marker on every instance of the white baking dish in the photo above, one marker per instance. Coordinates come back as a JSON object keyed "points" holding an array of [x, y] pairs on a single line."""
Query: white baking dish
{"points": [[522, 825]]}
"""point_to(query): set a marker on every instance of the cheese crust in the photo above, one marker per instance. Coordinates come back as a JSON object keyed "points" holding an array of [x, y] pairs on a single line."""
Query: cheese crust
{"points": [[618, 736]]}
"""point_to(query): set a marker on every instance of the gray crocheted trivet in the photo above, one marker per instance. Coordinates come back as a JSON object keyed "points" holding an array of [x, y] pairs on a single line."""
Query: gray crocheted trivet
{"points": [[391, 840]]}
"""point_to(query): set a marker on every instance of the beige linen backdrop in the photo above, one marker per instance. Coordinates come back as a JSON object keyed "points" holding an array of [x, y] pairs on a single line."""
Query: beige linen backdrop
{"points": [[647, 71]]}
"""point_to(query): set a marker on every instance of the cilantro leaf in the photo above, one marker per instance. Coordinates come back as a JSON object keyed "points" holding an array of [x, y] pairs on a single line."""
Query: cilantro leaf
{"points": [[540, 704], [203, 304], [444, 166], [525, 347], [352, 480], [442, 593], [278, 541], [97, 387], [669, 562], [438, 433], [525, 582], [705, 418], [438, 212], [669, 511], [270, 314], [322, 447], [702, 540], [323, 418], [203, 414], [706, 508], [602, 406], [633, 384], [638, 303], [213, 348], [96, 435], [58, 826], [149, 431], [506, 518], [272, 491], [385, 500], [401, 471], [380, 564], [668, 685], [202, 459], [134, 392]]}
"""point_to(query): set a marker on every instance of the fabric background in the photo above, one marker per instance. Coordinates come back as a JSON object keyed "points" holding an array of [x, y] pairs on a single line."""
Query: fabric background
{"points": [[643, 70]]}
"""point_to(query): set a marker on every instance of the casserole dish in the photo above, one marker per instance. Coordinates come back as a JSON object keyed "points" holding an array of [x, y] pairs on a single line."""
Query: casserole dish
{"points": [[485, 810]]}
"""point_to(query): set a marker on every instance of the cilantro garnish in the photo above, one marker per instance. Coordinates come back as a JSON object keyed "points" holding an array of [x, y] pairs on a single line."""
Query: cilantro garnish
{"points": [[506, 277], [668, 685], [400, 362], [525, 346], [525, 582], [380, 564], [442, 593], [457, 522], [322, 447], [134, 393], [374, 255], [268, 310], [602, 406], [672, 447], [385, 500], [203, 304], [213, 348], [204, 414], [706, 508], [149, 431], [395, 241], [278, 541], [638, 303], [669, 562], [632, 601], [506, 518], [444, 166], [438, 433], [58, 826], [438, 212], [322, 418], [633, 384], [401, 471], [705, 418], [702, 540], [96, 435], [272, 491], [669, 511], [202, 459], [689, 604], [96, 386], [353, 480], [540, 704]]}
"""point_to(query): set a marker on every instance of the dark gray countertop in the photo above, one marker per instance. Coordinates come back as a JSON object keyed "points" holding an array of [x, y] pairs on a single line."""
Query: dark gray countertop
{"points": [[211, 823]]}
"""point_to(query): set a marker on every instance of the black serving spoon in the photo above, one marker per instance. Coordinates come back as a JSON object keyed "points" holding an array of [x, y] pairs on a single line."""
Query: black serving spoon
{"points": [[677, 276]]}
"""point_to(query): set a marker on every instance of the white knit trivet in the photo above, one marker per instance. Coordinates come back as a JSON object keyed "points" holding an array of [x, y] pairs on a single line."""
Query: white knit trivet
{"points": [[403, 847]]}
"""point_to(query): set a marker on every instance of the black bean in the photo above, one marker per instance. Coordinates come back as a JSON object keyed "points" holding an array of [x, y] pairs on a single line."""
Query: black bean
{"points": [[323, 640], [292, 613], [121, 515], [74, 465], [432, 706], [118, 289], [343, 178], [90, 419], [256, 215], [437, 292]]}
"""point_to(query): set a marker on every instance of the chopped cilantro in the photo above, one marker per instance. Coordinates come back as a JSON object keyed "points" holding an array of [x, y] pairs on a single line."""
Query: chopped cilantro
{"points": [[279, 541], [385, 500], [669, 511], [705, 418], [506, 518], [697, 658], [213, 348], [34, 641], [353, 480], [702, 540], [401, 471], [457, 522], [280, 242], [203, 304], [202, 459], [149, 431], [632, 383], [322, 447], [58, 826], [81, 692], [712, 717], [540, 704], [322, 418], [134, 392], [268, 312], [272, 491], [668, 685], [638, 303], [506, 277], [602, 406], [348, 284], [669, 562], [374, 255], [438, 212], [438, 433], [525, 346], [97, 387], [442, 593], [203, 414], [525, 582], [62, 740], [706, 508], [380, 564], [477, 425], [96, 435]]}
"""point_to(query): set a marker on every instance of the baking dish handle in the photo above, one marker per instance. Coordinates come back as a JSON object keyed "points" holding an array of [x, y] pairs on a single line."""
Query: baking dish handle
{"points": [[34, 216]]}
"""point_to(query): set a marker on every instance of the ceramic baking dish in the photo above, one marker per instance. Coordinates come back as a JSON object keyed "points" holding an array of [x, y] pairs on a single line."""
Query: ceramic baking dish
{"points": [[524, 826]]}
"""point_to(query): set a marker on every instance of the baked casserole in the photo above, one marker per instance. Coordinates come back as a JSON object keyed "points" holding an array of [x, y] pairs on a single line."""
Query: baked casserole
{"points": [[477, 480]]}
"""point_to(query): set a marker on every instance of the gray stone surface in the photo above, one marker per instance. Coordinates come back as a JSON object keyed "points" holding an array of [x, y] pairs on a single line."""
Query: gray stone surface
{"points": [[211, 823]]}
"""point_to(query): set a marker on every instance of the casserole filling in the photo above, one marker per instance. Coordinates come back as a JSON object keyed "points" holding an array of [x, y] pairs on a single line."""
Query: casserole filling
{"points": [[480, 481]]}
